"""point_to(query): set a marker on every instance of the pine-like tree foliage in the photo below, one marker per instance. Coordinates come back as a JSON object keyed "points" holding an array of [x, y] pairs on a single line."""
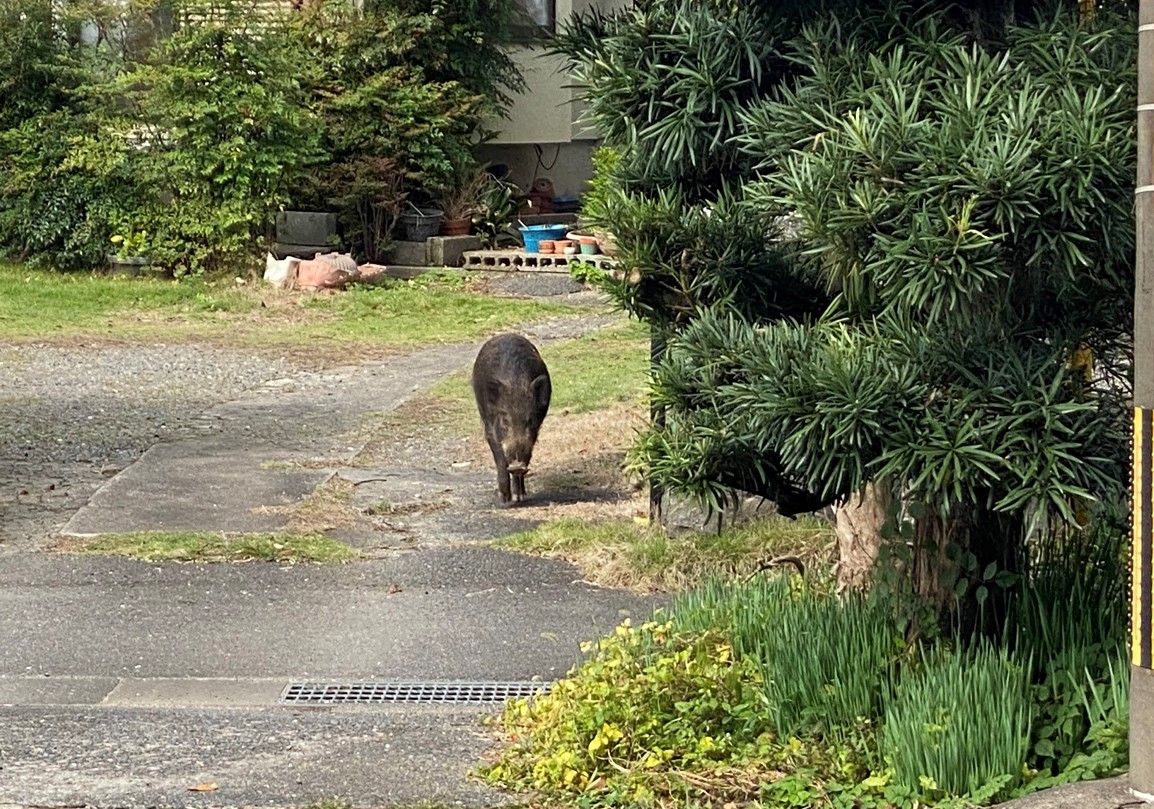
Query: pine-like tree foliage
{"points": [[668, 83], [970, 211]]}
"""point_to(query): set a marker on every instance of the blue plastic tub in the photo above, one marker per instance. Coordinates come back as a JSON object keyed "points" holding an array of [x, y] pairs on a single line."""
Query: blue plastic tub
{"points": [[533, 235]]}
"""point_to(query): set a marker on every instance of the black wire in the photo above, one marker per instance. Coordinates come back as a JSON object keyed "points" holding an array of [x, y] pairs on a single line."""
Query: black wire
{"points": [[541, 155]]}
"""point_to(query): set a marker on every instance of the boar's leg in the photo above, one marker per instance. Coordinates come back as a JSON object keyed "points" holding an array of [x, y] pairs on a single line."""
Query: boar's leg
{"points": [[503, 489]]}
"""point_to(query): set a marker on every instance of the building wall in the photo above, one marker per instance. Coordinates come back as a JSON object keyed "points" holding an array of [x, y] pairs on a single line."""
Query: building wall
{"points": [[568, 165], [545, 117]]}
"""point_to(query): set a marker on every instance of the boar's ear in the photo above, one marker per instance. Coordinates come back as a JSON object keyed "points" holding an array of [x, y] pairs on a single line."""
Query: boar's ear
{"points": [[542, 391]]}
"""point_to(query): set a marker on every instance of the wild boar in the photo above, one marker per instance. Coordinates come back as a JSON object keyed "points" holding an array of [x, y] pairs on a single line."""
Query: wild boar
{"points": [[512, 387]]}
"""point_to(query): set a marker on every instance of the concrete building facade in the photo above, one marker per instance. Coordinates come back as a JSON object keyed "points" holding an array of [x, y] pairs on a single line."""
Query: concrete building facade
{"points": [[543, 135]]}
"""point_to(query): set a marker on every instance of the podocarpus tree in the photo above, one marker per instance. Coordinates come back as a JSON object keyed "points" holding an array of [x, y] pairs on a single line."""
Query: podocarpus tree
{"points": [[965, 209]]}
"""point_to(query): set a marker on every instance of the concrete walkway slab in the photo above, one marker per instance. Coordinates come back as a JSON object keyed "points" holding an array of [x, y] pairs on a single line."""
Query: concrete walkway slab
{"points": [[1109, 793], [199, 485], [204, 692], [130, 758], [17, 690]]}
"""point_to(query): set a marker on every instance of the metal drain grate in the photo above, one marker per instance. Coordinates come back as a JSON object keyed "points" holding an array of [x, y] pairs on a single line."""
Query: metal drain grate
{"points": [[409, 692]]}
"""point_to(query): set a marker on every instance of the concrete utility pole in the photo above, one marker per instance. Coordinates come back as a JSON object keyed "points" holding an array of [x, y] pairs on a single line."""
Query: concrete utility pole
{"points": [[1142, 607]]}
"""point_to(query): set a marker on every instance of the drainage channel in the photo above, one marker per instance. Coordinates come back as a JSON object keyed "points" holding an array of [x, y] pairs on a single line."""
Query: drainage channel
{"points": [[411, 692]]}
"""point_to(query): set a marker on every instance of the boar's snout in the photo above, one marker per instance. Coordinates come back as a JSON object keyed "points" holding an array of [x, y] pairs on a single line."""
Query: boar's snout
{"points": [[517, 471]]}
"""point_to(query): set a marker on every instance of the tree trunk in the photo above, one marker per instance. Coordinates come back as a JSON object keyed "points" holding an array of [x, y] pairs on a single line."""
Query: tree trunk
{"points": [[858, 523], [934, 573]]}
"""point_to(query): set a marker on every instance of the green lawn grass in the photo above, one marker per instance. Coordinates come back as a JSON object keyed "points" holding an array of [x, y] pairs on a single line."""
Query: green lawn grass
{"points": [[40, 305], [195, 546]]}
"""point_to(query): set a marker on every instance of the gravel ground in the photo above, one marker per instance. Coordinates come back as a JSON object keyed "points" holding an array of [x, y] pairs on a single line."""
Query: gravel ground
{"points": [[72, 416]]}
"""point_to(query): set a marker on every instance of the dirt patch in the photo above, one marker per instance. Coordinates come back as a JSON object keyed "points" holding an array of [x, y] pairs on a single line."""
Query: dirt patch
{"points": [[577, 468], [326, 509], [425, 475]]}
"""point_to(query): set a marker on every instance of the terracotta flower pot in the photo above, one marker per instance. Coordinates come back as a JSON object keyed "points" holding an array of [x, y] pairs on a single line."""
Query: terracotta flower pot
{"points": [[456, 227]]}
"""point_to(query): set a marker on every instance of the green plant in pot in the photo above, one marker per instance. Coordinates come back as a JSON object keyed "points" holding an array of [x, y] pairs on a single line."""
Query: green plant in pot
{"points": [[463, 201], [496, 216], [130, 254]]}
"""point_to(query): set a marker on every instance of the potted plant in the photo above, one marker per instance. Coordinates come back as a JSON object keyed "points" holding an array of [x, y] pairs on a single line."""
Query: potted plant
{"points": [[421, 223], [460, 203], [496, 218], [131, 253]]}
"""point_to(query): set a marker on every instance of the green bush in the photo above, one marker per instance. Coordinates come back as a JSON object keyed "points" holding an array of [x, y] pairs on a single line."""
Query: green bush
{"points": [[54, 207], [649, 705], [974, 354], [192, 141], [417, 95], [38, 66], [818, 699], [226, 135], [946, 313]]}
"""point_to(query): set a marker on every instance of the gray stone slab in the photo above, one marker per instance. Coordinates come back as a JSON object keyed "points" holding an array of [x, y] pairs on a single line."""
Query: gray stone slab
{"points": [[306, 227], [1110, 793], [184, 692], [449, 251], [198, 485], [15, 690], [410, 254]]}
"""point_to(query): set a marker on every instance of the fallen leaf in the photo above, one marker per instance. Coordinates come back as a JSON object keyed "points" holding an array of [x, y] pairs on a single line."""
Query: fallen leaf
{"points": [[206, 787]]}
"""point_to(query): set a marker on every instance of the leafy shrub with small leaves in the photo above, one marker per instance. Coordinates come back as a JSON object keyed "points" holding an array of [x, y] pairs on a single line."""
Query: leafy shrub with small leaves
{"points": [[226, 130], [810, 698], [196, 138], [54, 203], [652, 714]]}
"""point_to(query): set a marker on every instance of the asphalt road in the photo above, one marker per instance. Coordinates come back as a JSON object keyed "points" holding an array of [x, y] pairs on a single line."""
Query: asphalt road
{"points": [[127, 684]]}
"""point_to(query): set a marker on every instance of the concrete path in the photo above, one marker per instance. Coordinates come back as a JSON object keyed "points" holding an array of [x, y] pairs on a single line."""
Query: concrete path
{"points": [[127, 684]]}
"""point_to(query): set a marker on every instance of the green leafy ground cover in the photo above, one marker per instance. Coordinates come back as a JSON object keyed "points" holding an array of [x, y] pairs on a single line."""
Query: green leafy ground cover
{"points": [[777, 692]]}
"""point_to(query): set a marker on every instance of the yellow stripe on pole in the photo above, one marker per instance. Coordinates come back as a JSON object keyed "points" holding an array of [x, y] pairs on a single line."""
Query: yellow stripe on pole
{"points": [[1136, 510]]}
